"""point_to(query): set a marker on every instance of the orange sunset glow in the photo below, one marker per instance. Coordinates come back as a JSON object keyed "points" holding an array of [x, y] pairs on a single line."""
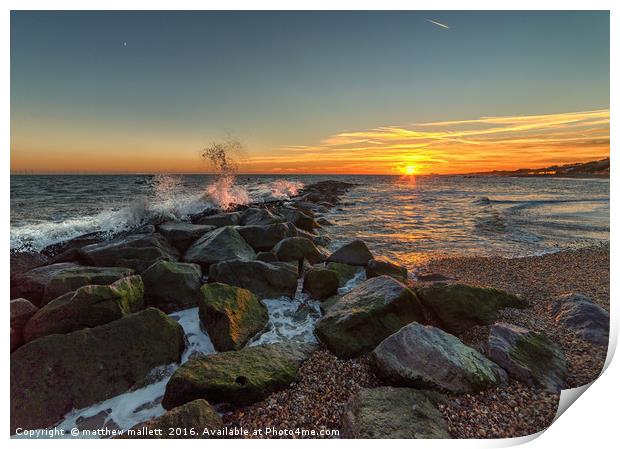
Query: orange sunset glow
{"points": [[446, 147]]}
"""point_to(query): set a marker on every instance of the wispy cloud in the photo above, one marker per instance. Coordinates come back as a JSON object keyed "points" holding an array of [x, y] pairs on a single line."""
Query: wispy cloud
{"points": [[456, 146], [437, 23]]}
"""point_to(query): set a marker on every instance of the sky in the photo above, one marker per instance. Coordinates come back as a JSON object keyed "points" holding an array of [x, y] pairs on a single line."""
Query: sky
{"points": [[308, 92]]}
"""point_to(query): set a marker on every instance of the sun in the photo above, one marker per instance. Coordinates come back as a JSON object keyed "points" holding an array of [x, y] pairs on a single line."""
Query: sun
{"points": [[409, 169]]}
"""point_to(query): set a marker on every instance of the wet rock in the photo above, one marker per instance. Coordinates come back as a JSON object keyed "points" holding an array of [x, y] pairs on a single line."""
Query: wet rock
{"points": [[582, 316], [137, 252], [299, 219], [55, 374], [172, 286], [528, 356], [220, 245], [353, 253], [388, 412], [324, 221], [265, 237], [231, 315], [320, 283], [266, 256], [427, 357], [432, 277], [21, 262], [186, 421], [267, 280], [344, 272], [219, 220], [181, 235], [237, 377], [88, 306], [366, 315], [21, 311], [383, 267], [260, 217], [70, 245], [296, 249], [458, 307]]}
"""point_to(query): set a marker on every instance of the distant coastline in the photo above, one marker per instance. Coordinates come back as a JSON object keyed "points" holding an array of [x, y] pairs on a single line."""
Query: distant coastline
{"points": [[592, 169]]}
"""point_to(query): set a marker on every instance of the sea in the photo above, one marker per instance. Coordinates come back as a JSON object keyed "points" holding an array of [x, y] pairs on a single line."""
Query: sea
{"points": [[406, 219]]}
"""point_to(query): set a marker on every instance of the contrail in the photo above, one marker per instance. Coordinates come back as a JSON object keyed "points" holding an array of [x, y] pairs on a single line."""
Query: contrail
{"points": [[438, 24]]}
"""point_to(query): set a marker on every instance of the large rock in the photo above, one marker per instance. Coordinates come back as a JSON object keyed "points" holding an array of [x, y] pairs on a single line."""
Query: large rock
{"points": [[236, 377], [189, 420], [388, 412], [528, 356], [231, 315], [296, 249], [172, 286], [136, 251], [344, 272], [23, 261], [458, 307], [385, 268], [366, 315], [265, 237], [181, 235], [427, 357], [21, 311], [320, 283], [581, 315], [220, 245], [299, 219], [31, 284], [260, 217], [88, 306], [267, 280], [58, 373], [353, 253], [220, 220]]}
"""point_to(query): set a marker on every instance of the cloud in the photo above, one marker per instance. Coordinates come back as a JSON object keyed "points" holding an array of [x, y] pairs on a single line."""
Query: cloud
{"points": [[455, 146]]}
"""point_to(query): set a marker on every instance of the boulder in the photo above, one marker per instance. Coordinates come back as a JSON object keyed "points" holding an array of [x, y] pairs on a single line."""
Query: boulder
{"points": [[185, 421], [172, 286], [236, 377], [458, 307], [88, 306], [181, 235], [353, 253], [265, 237], [23, 261], [427, 357], [220, 245], [344, 272], [21, 311], [267, 280], [581, 315], [220, 220], [231, 315], [136, 251], [383, 267], [528, 356], [324, 221], [259, 217], [58, 373], [31, 284], [299, 219], [320, 283], [388, 412], [266, 256], [366, 315], [296, 249]]}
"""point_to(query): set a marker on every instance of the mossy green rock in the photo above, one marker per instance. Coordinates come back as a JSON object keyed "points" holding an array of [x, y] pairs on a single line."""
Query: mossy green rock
{"points": [[388, 412], [344, 272], [267, 280], [219, 245], [197, 415], [378, 267], [231, 315], [172, 286], [458, 307], [298, 248], [320, 283], [237, 377], [52, 375], [88, 306], [366, 315], [528, 356], [427, 357]]}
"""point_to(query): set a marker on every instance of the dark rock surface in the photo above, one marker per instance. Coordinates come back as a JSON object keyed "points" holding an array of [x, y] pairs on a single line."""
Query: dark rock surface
{"points": [[172, 286], [267, 280], [353, 253], [181, 235], [584, 317], [320, 283], [219, 245]]}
